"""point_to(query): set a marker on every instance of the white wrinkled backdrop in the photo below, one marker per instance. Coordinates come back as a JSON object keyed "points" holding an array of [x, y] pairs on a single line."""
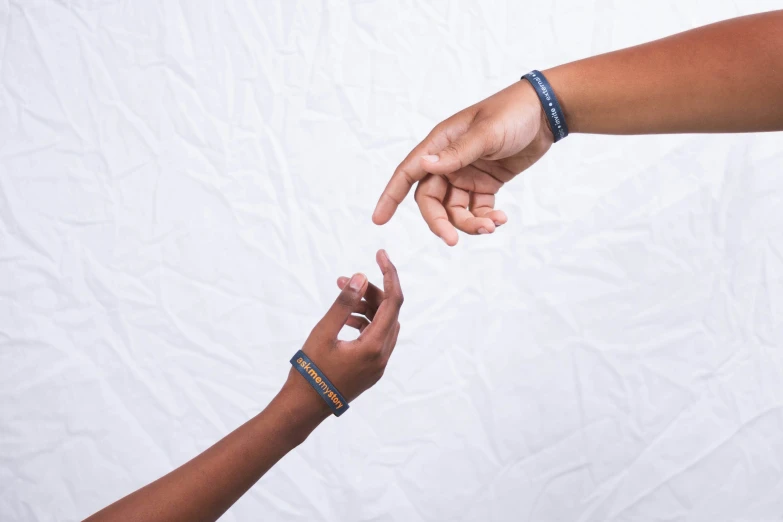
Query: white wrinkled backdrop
{"points": [[182, 182]]}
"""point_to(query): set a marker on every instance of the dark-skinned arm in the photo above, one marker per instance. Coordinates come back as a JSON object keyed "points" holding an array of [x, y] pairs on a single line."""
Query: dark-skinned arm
{"points": [[204, 488]]}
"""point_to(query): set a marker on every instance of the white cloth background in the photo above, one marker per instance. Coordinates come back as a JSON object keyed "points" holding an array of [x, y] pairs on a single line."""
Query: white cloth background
{"points": [[182, 182]]}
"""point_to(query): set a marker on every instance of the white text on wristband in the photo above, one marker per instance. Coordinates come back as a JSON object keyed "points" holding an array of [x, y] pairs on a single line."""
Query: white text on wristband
{"points": [[552, 109]]}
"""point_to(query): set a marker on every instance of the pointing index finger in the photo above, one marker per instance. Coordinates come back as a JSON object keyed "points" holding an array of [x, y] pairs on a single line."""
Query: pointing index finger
{"points": [[404, 177], [410, 171]]}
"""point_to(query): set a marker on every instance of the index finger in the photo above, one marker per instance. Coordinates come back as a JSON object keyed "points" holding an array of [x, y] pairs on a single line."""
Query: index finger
{"points": [[385, 320], [374, 296], [407, 174], [410, 171]]}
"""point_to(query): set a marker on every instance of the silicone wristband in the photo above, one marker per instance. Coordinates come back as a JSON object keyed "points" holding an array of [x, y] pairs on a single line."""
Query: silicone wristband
{"points": [[320, 383], [552, 109]]}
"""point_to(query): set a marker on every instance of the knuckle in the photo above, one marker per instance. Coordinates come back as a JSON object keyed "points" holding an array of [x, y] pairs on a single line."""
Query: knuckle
{"points": [[346, 299], [441, 128], [402, 172], [454, 146], [374, 352], [453, 149], [419, 193], [432, 223]]}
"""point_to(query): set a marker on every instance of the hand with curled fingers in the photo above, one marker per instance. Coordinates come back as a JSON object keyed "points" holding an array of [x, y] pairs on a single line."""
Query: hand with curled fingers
{"points": [[466, 159], [354, 366]]}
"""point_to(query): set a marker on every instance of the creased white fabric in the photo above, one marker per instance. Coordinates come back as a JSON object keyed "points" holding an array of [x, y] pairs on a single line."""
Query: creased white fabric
{"points": [[182, 182]]}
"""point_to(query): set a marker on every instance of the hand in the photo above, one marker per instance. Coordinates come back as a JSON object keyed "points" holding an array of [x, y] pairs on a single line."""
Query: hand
{"points": [[205, 487], [354, 366], [465, 160]]}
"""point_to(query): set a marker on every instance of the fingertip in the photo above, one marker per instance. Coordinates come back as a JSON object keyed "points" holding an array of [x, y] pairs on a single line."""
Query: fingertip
{"points": [[450, 240], [498, 217], [485, 226], [376, 217], [383, 211], [446, 231], [341, 282], [450, 235], [383, 260], [358, 283]]}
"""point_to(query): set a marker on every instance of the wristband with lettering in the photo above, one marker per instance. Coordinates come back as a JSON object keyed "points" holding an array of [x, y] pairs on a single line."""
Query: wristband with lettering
{"points": [[320, 383], [552, 109]]}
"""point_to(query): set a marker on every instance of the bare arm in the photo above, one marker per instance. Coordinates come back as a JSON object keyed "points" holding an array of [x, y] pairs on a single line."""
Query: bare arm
{"points": [[204, 488], [725, 77]]}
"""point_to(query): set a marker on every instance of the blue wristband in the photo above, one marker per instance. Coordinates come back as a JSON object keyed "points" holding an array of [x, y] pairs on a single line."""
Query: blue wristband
{"points": [[552, 109], [320, 383]]}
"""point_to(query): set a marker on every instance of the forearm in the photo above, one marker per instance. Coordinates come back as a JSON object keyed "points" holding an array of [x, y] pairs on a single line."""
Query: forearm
{"points": [[204, 488], [725, 77]]}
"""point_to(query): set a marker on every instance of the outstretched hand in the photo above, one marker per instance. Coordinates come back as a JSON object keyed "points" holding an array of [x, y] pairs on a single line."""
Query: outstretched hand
{"points": [[466, 159], [354, 366]]}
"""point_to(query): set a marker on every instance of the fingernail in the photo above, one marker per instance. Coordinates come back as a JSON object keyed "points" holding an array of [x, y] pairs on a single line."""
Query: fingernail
{"points": [[498, 223], [483, 230], [430, 158], [357, 282], [385, 255]]}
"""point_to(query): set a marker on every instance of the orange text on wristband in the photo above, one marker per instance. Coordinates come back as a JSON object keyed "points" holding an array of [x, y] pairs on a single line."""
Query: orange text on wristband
{"points": [[320, 383]]}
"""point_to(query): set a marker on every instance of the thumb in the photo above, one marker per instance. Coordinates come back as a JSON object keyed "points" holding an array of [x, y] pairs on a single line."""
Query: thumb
{"points": [[459, 153], [343, 307]]}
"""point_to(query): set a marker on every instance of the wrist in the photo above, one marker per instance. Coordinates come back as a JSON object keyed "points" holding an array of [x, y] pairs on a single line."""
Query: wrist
{"points": [[563, 82], [297, 410], [544, 134]]}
